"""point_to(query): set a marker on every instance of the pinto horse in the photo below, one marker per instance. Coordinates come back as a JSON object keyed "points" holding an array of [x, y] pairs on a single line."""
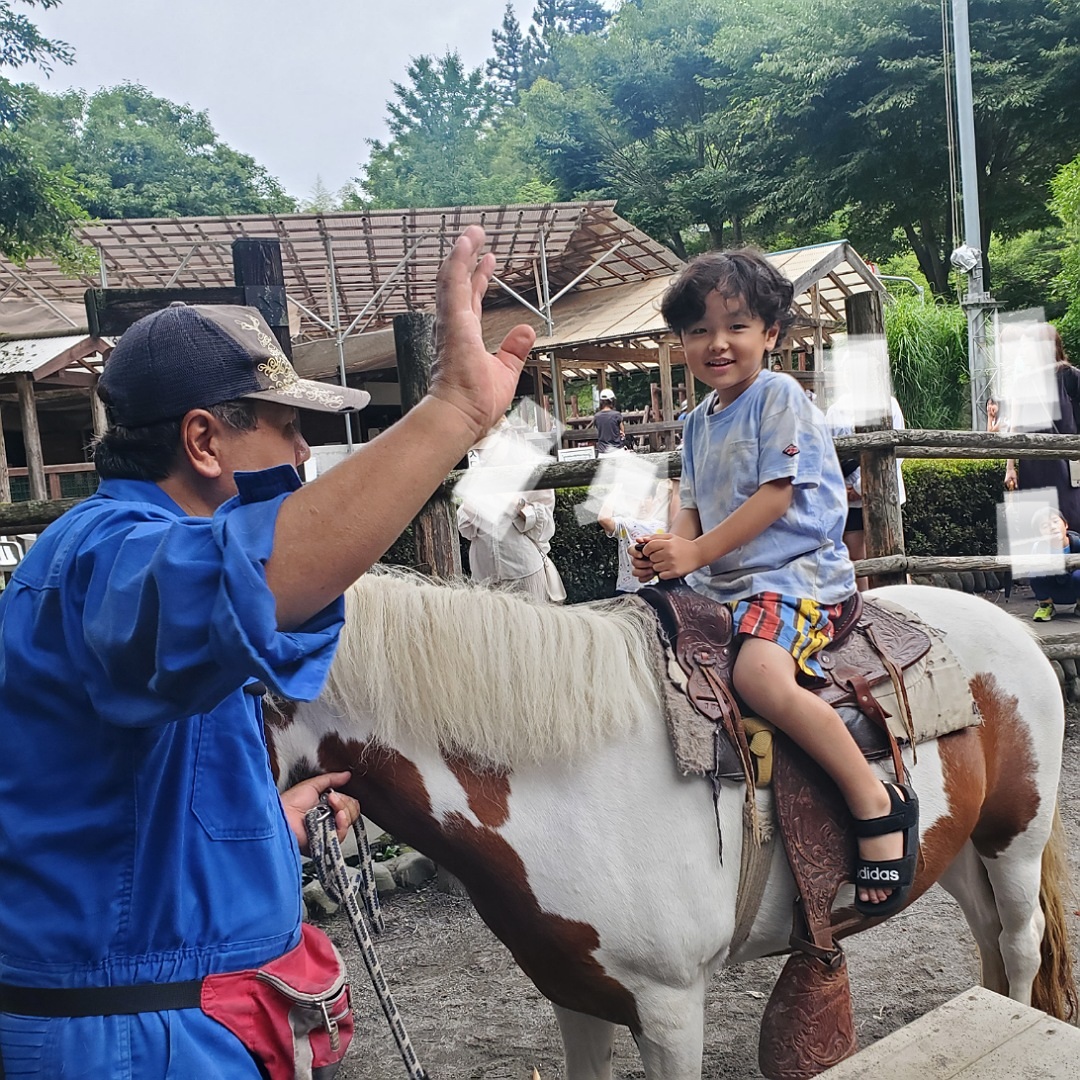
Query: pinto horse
{"points": [[523, 747]]}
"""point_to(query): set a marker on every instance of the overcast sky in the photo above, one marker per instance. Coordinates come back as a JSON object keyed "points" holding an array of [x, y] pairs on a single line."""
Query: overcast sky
{"points": [[298, 85]]}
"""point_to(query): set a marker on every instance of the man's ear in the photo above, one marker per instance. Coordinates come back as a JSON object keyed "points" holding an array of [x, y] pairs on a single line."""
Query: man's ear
{"points": [[200, 433], [771, 336]]}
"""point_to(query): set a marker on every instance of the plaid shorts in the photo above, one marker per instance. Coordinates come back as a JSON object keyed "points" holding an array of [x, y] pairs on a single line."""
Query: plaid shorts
{"points": [[800, 627]]}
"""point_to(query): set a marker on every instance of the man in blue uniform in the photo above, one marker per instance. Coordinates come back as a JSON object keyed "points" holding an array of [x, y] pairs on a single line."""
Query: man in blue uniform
{"points": [[142, 841]]}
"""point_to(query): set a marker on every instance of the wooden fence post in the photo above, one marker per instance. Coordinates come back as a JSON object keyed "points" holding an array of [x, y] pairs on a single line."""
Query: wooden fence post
{"points": [[35, 461], [882, 520], [438, 549]]}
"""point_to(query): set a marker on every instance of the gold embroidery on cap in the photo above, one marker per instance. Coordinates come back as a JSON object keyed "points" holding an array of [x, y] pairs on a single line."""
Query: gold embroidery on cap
{"points": [[281, 376]]}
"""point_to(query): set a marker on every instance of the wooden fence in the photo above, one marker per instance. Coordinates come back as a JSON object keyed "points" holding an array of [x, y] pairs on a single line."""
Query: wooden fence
{"points": [[886, 559]]}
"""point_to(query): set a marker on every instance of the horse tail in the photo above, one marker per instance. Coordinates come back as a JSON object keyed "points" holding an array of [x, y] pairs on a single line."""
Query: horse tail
{"points": [[1054, 989]]}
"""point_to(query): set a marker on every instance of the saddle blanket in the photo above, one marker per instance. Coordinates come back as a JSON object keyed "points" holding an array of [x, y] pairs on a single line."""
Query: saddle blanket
{"points": [[937, 692]]}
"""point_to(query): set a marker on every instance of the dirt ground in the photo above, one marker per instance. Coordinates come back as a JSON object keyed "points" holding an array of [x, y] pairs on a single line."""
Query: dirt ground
{"points": [[472, 1015]]}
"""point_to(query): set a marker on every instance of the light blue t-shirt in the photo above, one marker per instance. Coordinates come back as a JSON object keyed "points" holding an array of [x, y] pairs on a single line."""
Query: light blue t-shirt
{"points": [[769, 432]]}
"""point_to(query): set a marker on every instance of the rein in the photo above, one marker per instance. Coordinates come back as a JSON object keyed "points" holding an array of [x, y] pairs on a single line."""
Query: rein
{"points": [[340, 886]]}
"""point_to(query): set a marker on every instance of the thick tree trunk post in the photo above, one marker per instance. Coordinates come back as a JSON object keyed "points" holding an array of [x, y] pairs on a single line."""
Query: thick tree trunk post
{"points": [[5, 476], [882, 521], [258, 270], [35, 461], [438, 550]]}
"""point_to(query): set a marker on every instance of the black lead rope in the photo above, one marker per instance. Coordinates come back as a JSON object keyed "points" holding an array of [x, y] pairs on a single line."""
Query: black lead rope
{"points": [[335, 879]]}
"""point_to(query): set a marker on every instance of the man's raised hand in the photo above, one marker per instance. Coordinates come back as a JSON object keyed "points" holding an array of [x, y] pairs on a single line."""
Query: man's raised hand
{"points": [[478, 383]]}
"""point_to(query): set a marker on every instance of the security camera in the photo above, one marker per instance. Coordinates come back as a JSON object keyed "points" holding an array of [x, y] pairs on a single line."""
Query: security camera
{"points": [[965, 258]]}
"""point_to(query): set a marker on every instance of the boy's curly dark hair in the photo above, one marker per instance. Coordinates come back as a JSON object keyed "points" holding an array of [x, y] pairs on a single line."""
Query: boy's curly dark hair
{"points": [[744, 273]]}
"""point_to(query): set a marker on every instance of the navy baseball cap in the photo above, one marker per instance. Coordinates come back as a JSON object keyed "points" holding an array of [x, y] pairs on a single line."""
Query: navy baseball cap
{"points": [[192, 356]]}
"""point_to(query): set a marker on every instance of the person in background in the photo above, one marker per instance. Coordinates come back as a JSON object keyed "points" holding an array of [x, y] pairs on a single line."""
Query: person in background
{"points": [[510, 543], [777, 364], [630, 526], [608, 421], [514, 551], [1053, 589], [1061, 474]]}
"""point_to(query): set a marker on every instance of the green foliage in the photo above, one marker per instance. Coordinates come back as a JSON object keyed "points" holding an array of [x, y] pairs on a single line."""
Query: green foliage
{"points": [[588, 560], [38, 201], [136, 155], [446, 149], [928, 357], [1023, 269], [951, 507], [1065, 203]]}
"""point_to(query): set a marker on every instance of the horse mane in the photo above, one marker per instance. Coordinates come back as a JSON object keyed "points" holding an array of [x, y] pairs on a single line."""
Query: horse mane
{"points": [[489, 673]]}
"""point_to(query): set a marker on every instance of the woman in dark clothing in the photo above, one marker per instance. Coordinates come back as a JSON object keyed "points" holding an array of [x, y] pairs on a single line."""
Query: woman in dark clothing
{"points": [[1030, 474], [608, 422]]}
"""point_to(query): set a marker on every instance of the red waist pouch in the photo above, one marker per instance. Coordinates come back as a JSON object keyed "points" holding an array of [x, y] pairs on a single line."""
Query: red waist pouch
{"points": [[293, 1014]]}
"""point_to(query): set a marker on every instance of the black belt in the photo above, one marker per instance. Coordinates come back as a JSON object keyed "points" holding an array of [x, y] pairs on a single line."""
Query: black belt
{"points": [[100, 1000]]}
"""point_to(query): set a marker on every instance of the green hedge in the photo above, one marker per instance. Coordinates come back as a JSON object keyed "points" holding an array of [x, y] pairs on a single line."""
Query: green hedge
{"points": [[951, 509], [951, 506]]}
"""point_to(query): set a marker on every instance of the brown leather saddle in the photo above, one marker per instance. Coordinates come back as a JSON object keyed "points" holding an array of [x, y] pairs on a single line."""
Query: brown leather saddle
{"points": [[808, 1024], [870, 646]]}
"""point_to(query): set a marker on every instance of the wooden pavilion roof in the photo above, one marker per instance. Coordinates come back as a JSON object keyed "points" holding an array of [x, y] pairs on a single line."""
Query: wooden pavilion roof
{"points": [[385, 261]]}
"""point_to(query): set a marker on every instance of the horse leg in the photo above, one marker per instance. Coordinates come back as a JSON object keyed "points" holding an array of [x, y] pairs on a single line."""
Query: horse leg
{"points": [[588, 1044], [1014, 877], [672, 1037], [967, 881]]}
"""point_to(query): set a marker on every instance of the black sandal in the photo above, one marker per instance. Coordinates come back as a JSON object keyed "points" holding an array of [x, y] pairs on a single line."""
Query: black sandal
{"points": [[895, 874]]}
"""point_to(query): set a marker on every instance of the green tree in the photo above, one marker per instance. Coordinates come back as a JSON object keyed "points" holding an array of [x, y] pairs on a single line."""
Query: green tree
{"points": [[505, 67], [1065, 203], [851, 97], [553, 20], [37, 203], [447, 146], [141, 156]]}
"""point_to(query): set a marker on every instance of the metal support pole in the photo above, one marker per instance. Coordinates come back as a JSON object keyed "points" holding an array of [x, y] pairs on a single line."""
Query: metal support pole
{"points": [[977, 300], [339, 338]]}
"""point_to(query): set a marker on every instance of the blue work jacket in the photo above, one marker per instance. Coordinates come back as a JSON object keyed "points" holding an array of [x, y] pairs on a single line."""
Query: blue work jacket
{"points": [[141, 835]]}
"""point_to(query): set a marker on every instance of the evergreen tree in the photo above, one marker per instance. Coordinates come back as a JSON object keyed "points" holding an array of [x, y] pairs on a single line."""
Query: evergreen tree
{"points": [[504, 68]]}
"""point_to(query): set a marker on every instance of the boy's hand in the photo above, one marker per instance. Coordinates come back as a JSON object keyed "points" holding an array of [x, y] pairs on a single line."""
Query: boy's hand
{"points": [[640, 566], [670, 556]]}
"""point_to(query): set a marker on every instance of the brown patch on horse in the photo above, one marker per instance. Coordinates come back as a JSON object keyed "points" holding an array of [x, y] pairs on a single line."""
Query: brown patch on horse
{"points": [[1012, 793], [558, 954], [488, 790], [988, 773]]}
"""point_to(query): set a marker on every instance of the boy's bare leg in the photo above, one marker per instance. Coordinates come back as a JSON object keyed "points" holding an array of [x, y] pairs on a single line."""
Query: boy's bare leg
{"points": [[765, 677]]}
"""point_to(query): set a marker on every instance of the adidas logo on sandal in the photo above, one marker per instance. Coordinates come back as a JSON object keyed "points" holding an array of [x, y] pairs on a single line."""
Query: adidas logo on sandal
{"points": [[866, 874]]}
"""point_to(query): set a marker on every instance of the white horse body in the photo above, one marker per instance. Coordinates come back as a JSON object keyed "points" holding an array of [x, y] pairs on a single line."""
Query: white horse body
{"points": [[613, 855]]}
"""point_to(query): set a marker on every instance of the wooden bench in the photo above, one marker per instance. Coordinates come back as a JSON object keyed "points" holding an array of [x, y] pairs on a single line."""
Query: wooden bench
{"points": [[978, 1035]]}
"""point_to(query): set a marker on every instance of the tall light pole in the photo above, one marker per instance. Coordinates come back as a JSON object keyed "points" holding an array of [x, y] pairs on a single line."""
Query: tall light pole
{"points": [[968, 258]]}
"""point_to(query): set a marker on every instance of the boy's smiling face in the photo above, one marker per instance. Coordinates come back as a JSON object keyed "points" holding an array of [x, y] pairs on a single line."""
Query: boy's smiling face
{"points": [[725, 347]]}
